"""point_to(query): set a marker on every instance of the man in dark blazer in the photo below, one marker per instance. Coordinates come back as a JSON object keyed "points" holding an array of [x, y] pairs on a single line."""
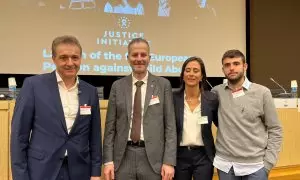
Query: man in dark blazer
{"points": [[152, 154], [55, 132]]}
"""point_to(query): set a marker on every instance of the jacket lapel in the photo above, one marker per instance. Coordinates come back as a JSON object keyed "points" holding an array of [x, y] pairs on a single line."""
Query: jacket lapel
{"points": [[181, 108], [204, 107], [83, 98], [53, 85], [202, 104], [149, 91], [128, 96]]}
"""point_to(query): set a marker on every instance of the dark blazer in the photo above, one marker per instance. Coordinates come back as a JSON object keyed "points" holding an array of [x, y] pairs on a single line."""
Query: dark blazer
{"points": [[158, 124], [209, 108], [39, 137]]}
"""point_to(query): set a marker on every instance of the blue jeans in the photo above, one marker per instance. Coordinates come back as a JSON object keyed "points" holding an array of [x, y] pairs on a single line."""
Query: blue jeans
{"points": [[261, 174]]}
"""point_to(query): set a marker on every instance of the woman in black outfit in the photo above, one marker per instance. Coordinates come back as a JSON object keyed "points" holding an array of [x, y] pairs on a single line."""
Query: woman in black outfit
{"points": [[195, 110]]}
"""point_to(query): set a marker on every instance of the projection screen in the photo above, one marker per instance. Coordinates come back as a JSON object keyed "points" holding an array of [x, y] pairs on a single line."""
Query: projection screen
{"points": [[175, 29]]}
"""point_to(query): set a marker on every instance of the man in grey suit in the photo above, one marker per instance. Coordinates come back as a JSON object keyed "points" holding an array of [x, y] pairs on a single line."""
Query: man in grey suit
{"points": [[140, 130]]}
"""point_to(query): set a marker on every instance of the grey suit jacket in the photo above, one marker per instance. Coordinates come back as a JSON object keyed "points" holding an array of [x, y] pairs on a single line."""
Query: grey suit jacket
{"points": [[158, 124]]}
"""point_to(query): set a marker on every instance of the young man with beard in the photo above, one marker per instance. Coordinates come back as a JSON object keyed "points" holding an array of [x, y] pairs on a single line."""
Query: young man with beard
{"points": [[249, 133], [140, 139]]}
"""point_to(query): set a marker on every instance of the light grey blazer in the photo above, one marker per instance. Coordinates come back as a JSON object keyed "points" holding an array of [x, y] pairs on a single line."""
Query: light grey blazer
{"points": [[159, 123]]}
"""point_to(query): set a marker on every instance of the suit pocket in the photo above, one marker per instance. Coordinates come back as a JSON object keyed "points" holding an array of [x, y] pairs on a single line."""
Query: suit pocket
{"points": [[85, 152], [35, 154]]}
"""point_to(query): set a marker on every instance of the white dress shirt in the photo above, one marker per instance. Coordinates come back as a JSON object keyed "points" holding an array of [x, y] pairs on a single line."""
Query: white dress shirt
{"points": [[240, 169], [143, 95], [191, 132], [69, 101]]}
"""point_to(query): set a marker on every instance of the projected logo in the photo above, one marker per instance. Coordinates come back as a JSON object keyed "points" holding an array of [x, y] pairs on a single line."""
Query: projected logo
{"points": [[124, 22], [79, 4], [201, 3]]}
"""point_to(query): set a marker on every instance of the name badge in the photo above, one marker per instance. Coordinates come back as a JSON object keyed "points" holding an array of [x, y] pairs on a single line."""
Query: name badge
{"points": [[203, 120], [238, 93], [85, 110], [154, 100]]}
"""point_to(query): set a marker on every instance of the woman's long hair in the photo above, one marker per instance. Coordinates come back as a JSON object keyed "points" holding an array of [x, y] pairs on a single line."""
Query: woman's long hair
{"points": [[203, 84]]}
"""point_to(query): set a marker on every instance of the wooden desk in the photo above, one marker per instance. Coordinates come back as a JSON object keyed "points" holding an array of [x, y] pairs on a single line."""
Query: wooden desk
{"points": [[288, 163], [4, 140]]}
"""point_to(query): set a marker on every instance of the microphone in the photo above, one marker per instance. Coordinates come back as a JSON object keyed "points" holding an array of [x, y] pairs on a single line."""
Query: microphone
{"points": [[79, 92], [284, 94], [209, 83]]}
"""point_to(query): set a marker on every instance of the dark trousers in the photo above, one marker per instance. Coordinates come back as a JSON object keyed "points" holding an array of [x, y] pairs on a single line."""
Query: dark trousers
{"points": [[193, 163], [64, 171]]}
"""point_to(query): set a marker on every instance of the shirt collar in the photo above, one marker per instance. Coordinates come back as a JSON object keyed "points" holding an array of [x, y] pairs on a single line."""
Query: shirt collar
{"points": [[246, 84], [60, 81], [145, 79], [198, 108]]}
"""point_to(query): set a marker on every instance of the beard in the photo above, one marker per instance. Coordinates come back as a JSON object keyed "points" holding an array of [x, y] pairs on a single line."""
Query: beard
{"points": [[236, 79]]}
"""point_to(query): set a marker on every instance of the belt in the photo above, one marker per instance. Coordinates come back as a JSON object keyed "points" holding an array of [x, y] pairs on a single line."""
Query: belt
{"points": [[137, 144], [192, 147]]}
